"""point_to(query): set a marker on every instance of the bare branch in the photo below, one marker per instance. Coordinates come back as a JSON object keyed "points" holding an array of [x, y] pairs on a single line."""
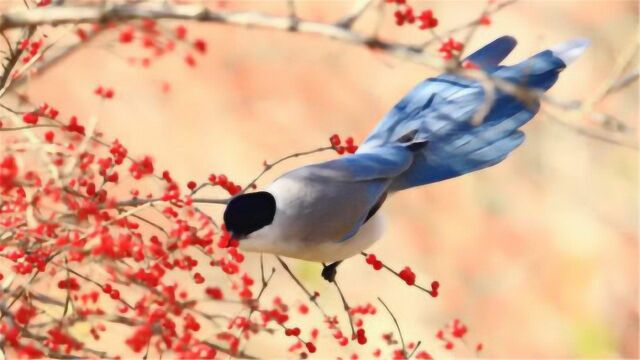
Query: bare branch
{"points": [[467, 25], [13, 59], [55, 58], [395, 321], [623, 82], [430, 292], [347, 308], [119, 12], [356, 12], [312, 298], [269, 166]]}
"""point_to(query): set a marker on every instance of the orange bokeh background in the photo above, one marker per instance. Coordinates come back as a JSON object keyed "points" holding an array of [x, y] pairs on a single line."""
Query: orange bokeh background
{"points": [[538, 255]]}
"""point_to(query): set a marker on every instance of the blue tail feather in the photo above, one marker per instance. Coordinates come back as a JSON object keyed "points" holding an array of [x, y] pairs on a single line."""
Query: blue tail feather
{"points": [[439, 111]]}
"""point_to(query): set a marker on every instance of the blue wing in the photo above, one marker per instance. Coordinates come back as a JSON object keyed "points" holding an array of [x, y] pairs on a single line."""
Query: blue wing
{"points": [[374, 170], [438, 113], [380, 163]]}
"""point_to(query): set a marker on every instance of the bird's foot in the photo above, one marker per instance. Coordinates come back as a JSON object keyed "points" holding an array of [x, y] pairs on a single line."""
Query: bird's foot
{"points": [[329, 271]]}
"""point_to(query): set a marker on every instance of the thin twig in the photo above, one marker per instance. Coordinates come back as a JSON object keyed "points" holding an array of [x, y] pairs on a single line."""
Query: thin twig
{"points": [[414, 350], [268, 166], [398, 275], [347, 308], [395, 321], [473, 22], [356, 12], [312, 298], [13, 60]]}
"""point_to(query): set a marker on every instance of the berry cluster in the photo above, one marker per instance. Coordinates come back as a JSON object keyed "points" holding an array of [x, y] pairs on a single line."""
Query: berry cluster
{"points": [[106, 93], [349, 147], [406, 274], [159, 42], [404, 14], [457, 330], [31, 48], [374, 262], [450, 48], [66, 218]]}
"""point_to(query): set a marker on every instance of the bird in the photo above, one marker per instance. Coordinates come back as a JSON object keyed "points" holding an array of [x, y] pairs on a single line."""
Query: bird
{"points": [[329, 211]]}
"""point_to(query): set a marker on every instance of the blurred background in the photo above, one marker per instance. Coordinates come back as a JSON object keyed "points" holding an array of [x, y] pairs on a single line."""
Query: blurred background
{"points": [[538, 256]]}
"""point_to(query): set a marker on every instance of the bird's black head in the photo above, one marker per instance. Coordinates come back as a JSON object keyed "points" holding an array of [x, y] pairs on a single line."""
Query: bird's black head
{"points": [[249, 212]]}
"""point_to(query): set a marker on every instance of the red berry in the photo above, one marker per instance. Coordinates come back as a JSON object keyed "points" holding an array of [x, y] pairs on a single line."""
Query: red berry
{"points": [[82, 34], [200, 45], [435, 285], [181, 32], [191, 185], [107, 288], [428, 21], [371, 259], [334, 140], [362, 339], [30, 118], [408, 276], [53, 113], [310, 347], [198, 278], [349, 141], [48, 136], [190, 60], [215, 293], [470, 65], [126, 35], [115, 294]]}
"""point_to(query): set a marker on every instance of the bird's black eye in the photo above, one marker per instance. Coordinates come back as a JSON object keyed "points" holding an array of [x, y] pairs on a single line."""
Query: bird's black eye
{"points": [[249, 212]]}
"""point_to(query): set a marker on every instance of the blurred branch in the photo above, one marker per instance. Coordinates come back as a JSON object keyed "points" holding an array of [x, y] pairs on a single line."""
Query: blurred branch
{"points": [[346, 307], [588, 132], [339, 31], [269, 166], [622, 62], [102, 13], [573, 110], [358, 9], [623, 82], [59, 55], [312, 297], [476, 22], [12, 59]]}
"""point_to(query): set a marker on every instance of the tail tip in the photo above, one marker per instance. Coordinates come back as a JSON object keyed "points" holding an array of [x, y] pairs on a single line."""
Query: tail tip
{"points": [[570, 50]]}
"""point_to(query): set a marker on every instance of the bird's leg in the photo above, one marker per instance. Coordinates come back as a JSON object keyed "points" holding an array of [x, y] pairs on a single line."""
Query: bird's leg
{"points": [[329, 271]]}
